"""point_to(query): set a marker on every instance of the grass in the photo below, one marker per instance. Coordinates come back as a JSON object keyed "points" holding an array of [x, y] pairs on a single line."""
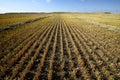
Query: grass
{"points": [[8, 19], [109, 19]]}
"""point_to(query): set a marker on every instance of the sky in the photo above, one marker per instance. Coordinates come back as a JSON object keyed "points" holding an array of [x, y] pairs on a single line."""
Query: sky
{"points": [[60, 6]]}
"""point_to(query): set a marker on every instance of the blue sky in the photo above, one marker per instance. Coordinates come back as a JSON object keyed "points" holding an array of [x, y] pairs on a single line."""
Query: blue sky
{"points": [[59, 6]]}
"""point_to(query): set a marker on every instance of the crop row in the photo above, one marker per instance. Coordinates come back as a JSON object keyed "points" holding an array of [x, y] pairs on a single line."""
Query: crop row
{"points": [[60, 49]]}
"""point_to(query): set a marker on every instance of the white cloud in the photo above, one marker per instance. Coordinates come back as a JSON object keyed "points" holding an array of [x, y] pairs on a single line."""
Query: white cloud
{"points": [[2, 10], [82, 0], [48, 1]]}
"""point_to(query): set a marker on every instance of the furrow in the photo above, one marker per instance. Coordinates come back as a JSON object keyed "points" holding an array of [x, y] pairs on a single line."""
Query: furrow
{"points": [[7, 65], [99, 53], [40, 65], [90, 58], [26, 73], [53, 53]]}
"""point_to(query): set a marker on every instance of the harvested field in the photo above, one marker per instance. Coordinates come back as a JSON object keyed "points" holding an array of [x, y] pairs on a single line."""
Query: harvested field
{"points": [[59, 47]]}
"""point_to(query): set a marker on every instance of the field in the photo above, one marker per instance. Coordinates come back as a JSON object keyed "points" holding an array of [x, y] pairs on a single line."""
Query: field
{"points": [[60, 46]]}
